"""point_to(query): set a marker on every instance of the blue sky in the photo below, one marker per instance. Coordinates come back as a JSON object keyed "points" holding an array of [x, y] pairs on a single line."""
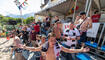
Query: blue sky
{"points": [[9, 7]]}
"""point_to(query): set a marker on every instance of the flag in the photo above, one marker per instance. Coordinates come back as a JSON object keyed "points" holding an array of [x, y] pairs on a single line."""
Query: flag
{"points": [[26, 2], [21, 5], [17, 2]]}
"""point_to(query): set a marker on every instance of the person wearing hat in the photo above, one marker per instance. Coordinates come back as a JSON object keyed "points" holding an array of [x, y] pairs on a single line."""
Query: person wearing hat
{"points": [[43, 39], [83, 23]]}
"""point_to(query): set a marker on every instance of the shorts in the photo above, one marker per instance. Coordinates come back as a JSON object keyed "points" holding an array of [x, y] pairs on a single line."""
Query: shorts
{"points": [[83, 37], [34, 43]]}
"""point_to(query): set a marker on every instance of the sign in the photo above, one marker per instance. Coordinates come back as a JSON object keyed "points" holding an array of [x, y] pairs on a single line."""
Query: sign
{"points": [[90, 32], [93, 31], [65, 26]]}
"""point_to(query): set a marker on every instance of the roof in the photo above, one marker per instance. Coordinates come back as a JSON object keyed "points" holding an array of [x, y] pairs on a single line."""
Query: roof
{"points": [[62, 7], [50, 5]]}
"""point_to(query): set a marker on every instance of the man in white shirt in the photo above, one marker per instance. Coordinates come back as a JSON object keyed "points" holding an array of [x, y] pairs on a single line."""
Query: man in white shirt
{"points": [[72, 35], [28, 29]]}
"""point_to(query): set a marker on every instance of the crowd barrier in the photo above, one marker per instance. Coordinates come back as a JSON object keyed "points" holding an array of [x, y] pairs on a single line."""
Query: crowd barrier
{"points": [[97, 45]]}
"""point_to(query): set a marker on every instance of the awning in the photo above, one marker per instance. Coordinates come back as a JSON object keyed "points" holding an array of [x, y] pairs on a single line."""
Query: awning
{"points": [[49, 6], [99, 4], [52, 4], [62, 8]]}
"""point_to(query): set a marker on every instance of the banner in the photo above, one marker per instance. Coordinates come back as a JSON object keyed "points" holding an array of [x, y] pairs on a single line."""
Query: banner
{"points": [[93, 31], [90, 32], [65, 26], [21, 5]]}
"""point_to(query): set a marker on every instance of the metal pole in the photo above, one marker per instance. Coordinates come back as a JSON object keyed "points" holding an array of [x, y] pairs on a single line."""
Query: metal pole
{"points": [[87, 2], [21, 16], [74, 10], [89, 7], [49, 2], [101, 34], [103, 38], [41, 2], [103, 41]]}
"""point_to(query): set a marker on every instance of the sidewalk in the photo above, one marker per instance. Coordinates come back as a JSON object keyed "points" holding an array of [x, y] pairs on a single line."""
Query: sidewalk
{"points": [[5, 48]]}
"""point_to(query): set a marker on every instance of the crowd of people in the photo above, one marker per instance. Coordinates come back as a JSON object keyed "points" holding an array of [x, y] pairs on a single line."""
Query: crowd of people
{"points": [[50, 40]]}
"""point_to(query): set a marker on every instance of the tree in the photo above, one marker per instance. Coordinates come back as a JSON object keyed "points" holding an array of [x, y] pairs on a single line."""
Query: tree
{"points": [[28, 20], [18, 20], [1, 17], [4, 20]]}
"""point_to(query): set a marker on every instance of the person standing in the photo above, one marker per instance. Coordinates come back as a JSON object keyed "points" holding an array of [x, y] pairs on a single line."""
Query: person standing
{"points": [[48, 20], [39, 22], [37, 28], [32, 37], [96, 16], [43, 25], [83, 23], [28, 28], [71, 36], [57, 30], [17, 31], [56, 19], [25, 35]]}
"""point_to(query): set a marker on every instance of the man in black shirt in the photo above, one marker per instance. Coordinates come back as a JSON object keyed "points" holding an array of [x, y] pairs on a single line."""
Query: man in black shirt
{"points": [[48, 19], [17, 31], [25, 35]]}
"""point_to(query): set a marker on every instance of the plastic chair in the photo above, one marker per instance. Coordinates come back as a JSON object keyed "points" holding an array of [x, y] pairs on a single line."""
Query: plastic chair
{"points": [[103, 48], [82, 56], [95, 45]]}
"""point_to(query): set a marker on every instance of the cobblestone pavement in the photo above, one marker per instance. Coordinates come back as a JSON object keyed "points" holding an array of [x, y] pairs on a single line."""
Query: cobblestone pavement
{"points": [[5, 49]]}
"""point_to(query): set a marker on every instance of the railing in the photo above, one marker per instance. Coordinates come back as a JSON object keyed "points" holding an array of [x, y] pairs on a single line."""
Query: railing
{"points": [[97, 45]]}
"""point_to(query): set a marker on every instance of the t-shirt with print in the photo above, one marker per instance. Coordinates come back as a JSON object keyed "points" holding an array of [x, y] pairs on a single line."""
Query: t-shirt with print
{"points": [[72, 34]]}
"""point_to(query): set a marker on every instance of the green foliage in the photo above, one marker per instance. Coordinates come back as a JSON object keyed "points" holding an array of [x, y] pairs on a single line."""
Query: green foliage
{"points": [[4, 20], [19, 20], [28, 20], [9, 27]]}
